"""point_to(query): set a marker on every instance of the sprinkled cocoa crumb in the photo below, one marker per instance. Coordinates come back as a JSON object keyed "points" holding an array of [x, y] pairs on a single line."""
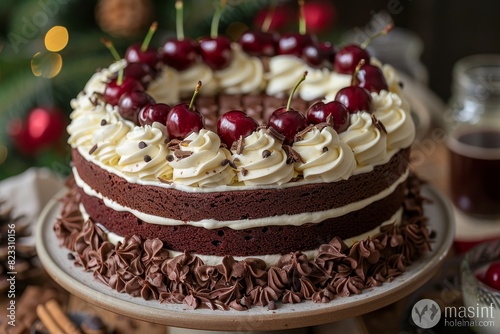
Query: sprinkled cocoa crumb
{"points": [[103, 122], [142, 145], [224, 162], [271, 306], [147, 158], [244, 172], [325, 149], [266, 154], [170, 158], [173, 144], [93, 149]]}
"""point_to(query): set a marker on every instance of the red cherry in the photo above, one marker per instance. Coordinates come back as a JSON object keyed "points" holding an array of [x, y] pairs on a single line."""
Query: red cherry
{"points": [[234, 124], [184, 118], [319, 15], [294, 43], [355, 99], [371, 78], [320, 55], [150, 56], [179, 54], [140, 72], [142, 53], [259, 43], [348, 57], [216, 52], [492, 276], [288, 121], [154, 113], [319, 112], [114, 90], [130, 104]]}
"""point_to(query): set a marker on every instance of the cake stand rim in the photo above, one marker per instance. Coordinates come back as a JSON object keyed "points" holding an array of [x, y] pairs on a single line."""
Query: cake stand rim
{"points": [[287, 316]]}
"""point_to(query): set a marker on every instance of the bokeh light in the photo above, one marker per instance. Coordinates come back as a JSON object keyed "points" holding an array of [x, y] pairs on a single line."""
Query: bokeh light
{"points": [[46, 65], [56, 38]]}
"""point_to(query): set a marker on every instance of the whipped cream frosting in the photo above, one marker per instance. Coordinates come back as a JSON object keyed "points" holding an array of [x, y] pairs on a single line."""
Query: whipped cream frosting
{"points": [[190, 77], [263, 161], [168, 77], [205, 166], [324, 157], [143, 152]]}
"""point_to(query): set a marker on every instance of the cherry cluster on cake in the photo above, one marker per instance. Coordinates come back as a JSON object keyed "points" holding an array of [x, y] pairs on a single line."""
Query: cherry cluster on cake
{"points": [[127, 90]]}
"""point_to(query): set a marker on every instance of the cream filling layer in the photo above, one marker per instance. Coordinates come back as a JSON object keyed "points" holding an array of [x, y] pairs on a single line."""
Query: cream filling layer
{"points": [[269, 259], [281, 220]]}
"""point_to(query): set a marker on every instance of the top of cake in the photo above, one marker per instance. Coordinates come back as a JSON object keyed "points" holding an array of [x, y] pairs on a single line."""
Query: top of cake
{"points": [[132, 119]]}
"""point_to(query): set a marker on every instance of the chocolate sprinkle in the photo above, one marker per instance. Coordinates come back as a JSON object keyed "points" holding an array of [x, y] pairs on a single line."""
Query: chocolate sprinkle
{"points": [[147, 158], [170, 158], [103, 122], [232, 164], [325, 149], [224, 162], [244, 172], [271, 306], [142, 145], [275, 134], [266, 154], [93, 149]]}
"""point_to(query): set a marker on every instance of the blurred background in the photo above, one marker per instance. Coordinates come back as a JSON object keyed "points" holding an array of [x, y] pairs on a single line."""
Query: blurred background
{"points": [[50, 48]]}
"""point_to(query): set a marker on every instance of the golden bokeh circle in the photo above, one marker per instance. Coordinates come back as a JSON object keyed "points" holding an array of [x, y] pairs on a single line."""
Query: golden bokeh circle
{"points": [[46, 65], [56, 38]]}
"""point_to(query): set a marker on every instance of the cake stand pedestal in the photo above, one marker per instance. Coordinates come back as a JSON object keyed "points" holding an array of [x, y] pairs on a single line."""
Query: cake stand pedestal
{"points": [[285, 317]]}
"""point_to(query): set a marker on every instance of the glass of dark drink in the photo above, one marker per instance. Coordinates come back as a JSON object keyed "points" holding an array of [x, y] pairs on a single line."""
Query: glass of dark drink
{"points": [[473, 122]]}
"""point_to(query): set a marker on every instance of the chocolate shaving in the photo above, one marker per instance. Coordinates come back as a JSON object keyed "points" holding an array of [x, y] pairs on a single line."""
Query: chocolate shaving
{"points": [[378, 124], [182, 154], [239, 145], [300, 135], [93, 149], [275, 134], [292, 155], [224, 162], [142, 145], [232, 164], [174, 144], [162, 180]]}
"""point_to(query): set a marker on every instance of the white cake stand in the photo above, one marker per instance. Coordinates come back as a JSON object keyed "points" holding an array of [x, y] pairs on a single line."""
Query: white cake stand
{"points": [[285, 317]]}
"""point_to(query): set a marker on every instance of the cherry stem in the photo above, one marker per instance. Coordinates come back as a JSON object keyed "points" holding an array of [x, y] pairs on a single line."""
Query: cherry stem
{"points": [[269, 18], [109, 45], [384, 31], [219, 8], [149, 36], [179, 19], [196, 91], [354, 80], [302, 18], [289, 103]]}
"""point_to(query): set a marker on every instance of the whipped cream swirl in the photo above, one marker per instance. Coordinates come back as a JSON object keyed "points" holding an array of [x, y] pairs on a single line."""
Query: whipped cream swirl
{"points": [[324, 157], [284, 72], [206, 165], [263, 160], [165, 88], [190, 77], [389, 109], [245, 74], [143, 153], [112, 131], [367, 141]]}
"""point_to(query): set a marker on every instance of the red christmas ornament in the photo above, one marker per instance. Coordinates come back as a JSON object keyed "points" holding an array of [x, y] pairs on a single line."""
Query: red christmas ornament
{"points": [[43, 127], [320, 15], [273, 18]]}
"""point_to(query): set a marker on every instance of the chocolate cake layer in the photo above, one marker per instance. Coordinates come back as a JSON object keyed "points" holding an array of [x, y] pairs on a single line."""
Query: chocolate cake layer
{"points": [[248, 242], [241, 204]]}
